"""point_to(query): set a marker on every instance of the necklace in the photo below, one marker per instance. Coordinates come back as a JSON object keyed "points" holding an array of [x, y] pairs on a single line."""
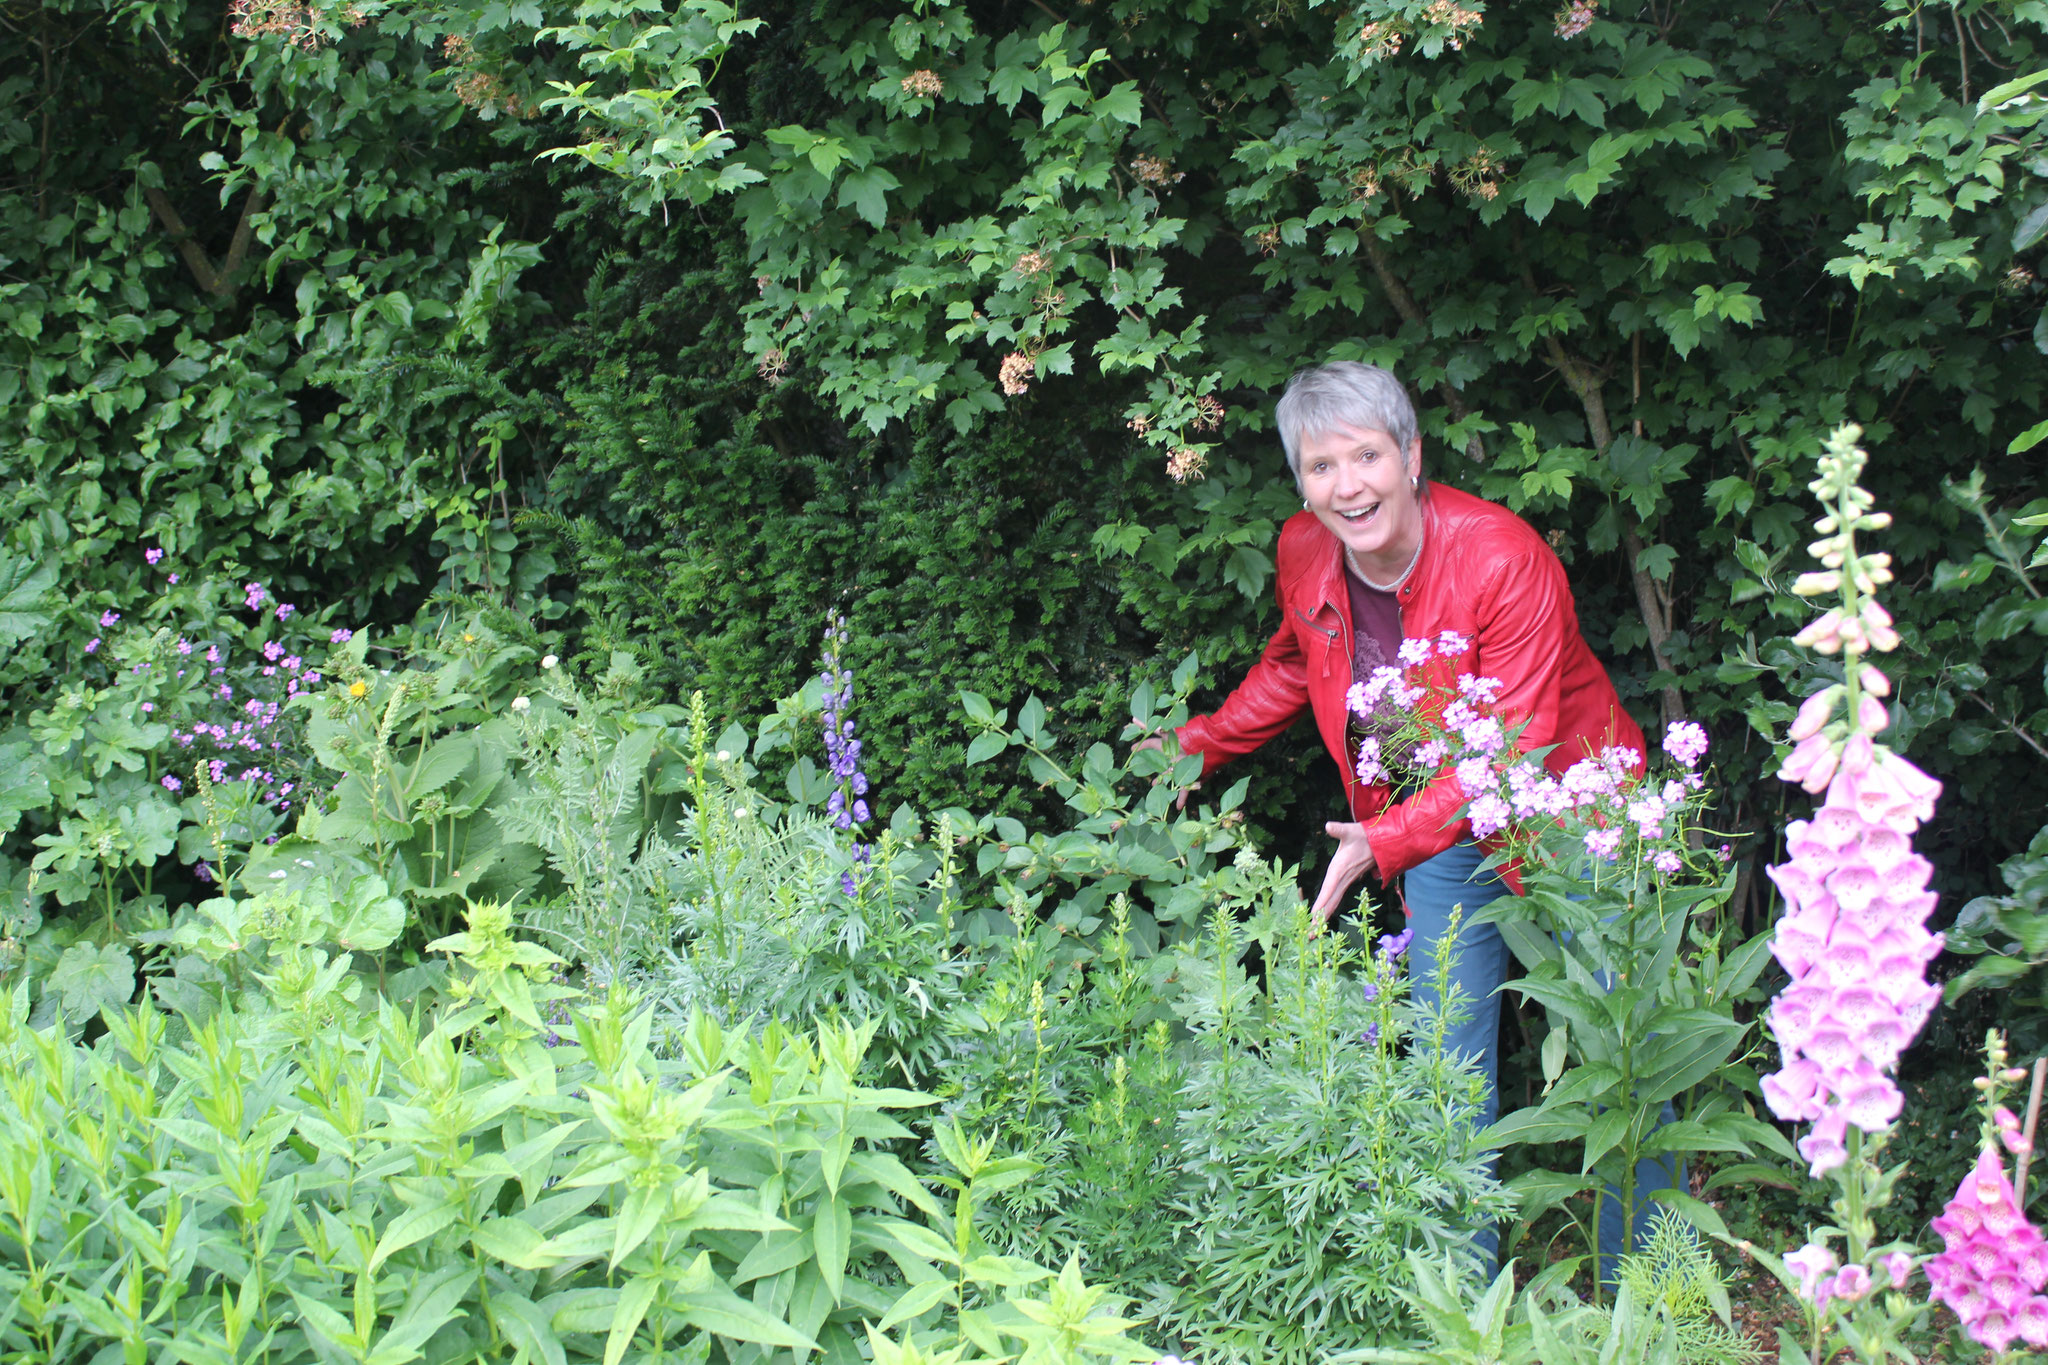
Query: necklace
{"points": [[1399, 578]]}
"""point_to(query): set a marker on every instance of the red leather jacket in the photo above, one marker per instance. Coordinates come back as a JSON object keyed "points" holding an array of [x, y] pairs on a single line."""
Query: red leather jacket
{"points": [[1484, 573]]}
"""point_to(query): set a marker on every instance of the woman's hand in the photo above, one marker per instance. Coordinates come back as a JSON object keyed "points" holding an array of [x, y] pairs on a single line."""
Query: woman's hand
{"points": [[1180, 802], [1353, 860]]}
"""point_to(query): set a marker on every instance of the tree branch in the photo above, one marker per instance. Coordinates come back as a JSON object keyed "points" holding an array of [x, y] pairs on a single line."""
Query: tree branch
{"points": [[188, 246], [217, 280], [238, 245], [1654, 606], [1404, 304]]}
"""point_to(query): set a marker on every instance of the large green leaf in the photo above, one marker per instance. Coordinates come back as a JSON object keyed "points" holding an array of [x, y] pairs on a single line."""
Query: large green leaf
{"points": [[24, 591], [24, 784], [88, 978]]}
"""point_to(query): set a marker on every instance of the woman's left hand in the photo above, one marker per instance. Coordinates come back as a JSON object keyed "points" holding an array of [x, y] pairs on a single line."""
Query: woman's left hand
{"points": [[1353, 860]]}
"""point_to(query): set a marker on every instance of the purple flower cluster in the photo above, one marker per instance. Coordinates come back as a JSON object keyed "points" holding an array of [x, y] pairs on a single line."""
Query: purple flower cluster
{"points": [[1855, 943], [244, 736], [1993, 1263], [847, 805]]}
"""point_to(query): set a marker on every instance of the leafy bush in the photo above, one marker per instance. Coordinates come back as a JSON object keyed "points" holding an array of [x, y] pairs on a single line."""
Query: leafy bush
{"points": [[312, 1178]]}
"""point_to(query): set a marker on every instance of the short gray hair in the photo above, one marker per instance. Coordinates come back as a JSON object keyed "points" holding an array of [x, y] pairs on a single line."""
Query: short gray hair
{"points": [[1342, 393]]}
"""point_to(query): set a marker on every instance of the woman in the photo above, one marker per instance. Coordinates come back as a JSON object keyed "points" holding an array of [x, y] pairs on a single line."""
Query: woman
{"points": [[1378, 555]]}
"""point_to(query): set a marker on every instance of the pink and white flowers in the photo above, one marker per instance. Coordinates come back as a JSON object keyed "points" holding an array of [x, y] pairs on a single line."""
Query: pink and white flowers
{"points": [[1993, 1263], [1854, 937]]}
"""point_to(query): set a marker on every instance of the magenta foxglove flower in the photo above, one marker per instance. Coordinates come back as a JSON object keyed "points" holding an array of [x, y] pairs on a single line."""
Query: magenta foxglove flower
{"points": [[1813, 1264], [1855, 943], [1993, 1262]]}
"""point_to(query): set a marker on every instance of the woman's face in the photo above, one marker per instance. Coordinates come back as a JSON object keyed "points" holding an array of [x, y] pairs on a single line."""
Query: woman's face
{"points": [[1356, 481]]}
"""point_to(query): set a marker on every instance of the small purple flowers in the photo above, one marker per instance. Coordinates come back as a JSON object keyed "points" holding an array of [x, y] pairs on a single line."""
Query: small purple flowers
{"points": [[341, 636], [92, 646], [152, 556], [1393, 946], [847, 805], [108, 618], [172, 784]]}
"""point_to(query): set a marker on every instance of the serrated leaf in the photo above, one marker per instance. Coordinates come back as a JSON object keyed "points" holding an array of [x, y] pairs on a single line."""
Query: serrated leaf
{"points": [[88, 978]]}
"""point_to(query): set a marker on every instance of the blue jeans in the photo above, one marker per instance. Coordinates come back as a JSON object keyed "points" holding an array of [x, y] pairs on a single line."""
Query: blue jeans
{"points": [[1479, 963]]}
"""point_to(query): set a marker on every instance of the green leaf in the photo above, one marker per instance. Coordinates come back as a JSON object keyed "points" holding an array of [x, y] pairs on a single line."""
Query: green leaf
{"points": [[412, 1226], [634, 1299], [916, 1301], [2012, 89], [725, 1314], [24, 586], [513, 1241], [371, 917], [986, 746], [89, 978], [1539, 1191], [2030, 228], [831, 1235], [867, 193], [24, 784], [1121, 103], [526, 1327]]}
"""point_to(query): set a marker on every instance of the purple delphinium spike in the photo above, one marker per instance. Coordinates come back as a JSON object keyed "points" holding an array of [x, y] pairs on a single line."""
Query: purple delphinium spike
{"points": [[847, 805]]}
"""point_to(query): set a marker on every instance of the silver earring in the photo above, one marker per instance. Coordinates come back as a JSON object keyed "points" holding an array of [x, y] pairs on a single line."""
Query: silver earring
{"points": [[1304, 504], [1414, 483]]}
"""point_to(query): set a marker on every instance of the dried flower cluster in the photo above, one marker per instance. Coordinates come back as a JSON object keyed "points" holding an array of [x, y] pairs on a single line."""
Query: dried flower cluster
{"points": [[773, 365], [1382, 39], [1450, 15], [1365, 183], [1152, 171], [923, 83], [2017, 279], [1186, 464], [487, 94], [301, 25], [1016, 373], [1209, 411], [1478, 175], [1576, 17], [1267, 239], [1141, 423], [1031, 263]]}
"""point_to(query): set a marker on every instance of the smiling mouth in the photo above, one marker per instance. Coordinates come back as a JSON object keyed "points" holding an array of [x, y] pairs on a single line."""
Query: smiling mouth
{"points": [[1360, 514]]}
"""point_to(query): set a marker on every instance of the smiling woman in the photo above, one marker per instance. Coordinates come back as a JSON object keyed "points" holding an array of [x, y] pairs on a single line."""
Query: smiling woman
{"points": [[1378, 558]]}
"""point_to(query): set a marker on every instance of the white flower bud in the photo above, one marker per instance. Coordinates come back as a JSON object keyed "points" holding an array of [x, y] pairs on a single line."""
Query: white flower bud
{"points": [[520, 703], [549, 661]]}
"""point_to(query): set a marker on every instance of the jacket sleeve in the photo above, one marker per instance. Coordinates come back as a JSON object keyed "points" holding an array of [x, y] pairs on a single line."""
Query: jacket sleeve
{"points": [[1525, 619], [1272, 697]]}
